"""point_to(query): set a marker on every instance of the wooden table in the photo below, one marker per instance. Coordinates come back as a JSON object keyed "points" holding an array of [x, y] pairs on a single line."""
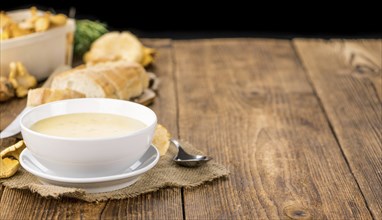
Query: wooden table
{"points": [[298, 123]]}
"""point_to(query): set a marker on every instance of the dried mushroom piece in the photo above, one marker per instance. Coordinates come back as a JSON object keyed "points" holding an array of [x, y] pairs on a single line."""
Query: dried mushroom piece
{"points": [[21, 79], [13, 151], [148, 56], [10, 29], [29, 22], [9, 157], [6, 89], [8, 167], [5, 20], [37, 22], [5, 34], [42, 23], [17, 31], [161, 139], [58, 19], [33, 11]]}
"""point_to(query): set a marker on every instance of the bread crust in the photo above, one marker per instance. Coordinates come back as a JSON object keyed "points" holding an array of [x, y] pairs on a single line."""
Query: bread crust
{"points": [[120, 80], [44, 95]]}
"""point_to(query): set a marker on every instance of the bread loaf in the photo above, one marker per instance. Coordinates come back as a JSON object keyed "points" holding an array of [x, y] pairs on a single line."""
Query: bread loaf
{"points": [[44, 95], [120, 80]]}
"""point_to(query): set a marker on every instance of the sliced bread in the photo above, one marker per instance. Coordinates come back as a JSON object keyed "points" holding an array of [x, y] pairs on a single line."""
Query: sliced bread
{"points": [[44, 95], [120, 80]]}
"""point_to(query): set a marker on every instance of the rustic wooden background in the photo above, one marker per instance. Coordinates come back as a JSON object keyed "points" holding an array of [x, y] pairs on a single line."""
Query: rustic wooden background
{"points": [[298, 123]]}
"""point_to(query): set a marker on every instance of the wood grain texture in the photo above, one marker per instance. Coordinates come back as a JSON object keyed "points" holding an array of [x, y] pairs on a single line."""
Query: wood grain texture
{"points": [[9, 111], [22, 204], [251, 105], [248, 104], [348, 79], [6, 142], [1, 191], [165, 105], [165, 204]]}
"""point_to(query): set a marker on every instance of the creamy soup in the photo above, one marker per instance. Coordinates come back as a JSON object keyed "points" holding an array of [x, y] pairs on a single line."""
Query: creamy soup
{"points": [[87, 125]]}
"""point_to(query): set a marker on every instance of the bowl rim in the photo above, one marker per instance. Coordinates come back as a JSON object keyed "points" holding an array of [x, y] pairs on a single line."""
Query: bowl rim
{"points": [[134, 133]]}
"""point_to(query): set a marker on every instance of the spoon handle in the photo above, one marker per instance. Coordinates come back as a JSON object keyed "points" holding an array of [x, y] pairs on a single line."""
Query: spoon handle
{"points": [[175, 142], [181, 151]]}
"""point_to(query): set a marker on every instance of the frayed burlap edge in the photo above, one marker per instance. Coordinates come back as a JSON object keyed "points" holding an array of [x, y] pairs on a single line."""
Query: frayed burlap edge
{"points": [[164, 175]]}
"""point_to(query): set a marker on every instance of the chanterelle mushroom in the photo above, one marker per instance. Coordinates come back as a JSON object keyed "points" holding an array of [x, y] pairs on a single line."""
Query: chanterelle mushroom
{"points": [[161, 139], [13, 151], [9, 163], [8, 167], [20, 78], [6, 89]]}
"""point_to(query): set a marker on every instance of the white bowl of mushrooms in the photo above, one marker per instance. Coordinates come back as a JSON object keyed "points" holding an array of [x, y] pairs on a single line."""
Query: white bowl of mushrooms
{"points": [[41, 41]]}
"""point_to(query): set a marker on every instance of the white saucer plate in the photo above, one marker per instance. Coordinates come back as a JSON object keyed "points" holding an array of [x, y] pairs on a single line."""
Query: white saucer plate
{"points": [[93, 184]]}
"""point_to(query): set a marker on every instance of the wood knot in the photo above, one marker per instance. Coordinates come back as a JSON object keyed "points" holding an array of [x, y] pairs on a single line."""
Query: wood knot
{"points": [[363, 69], [296, 212], [255, 93]]}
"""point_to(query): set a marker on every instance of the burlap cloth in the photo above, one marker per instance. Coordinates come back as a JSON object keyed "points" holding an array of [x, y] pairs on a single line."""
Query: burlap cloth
{"points": [[165, 174]]}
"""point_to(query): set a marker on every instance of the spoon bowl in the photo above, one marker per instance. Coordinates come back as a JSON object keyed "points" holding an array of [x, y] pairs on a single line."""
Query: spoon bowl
{"points": [[188, 160]]}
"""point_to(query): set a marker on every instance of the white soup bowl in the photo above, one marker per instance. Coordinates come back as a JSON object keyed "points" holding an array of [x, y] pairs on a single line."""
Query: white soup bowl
{"points": [[88, 157]]}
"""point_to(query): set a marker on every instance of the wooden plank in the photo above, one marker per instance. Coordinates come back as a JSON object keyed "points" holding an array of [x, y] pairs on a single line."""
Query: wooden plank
{"points": [[165, 204], [165, 105], [348, 78], [9, 110], [248, 104], [1, 191], [6, 142], [364, 57], [22, 204]]}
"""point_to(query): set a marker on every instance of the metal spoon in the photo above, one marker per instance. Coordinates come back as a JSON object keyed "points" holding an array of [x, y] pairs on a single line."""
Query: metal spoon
{"points": [[185, 159]]}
